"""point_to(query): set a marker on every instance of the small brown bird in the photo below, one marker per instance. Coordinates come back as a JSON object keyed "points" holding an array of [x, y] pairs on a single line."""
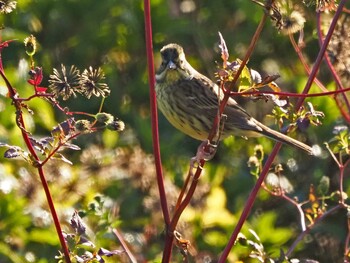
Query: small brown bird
{"points": [[189, 100]]}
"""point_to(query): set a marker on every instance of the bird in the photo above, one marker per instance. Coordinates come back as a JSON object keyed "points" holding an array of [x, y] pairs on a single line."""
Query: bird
{"points": [[190, 102]]}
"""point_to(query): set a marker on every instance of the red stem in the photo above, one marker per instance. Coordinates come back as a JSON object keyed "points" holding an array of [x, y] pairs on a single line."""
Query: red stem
{"points": [[188, 196], [290, 94], [322, 52], [260, 180], [154, 113], [335, 76], [304, 63], [249, 203], [155, 134], [53, 213], [183, 189], [180, 207]]}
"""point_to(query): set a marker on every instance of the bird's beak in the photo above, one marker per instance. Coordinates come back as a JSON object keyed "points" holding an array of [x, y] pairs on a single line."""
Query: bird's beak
{"points": [[171, 65]]}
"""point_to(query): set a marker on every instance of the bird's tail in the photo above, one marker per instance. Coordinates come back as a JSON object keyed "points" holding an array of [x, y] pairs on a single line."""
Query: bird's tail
{"points": [[277, 136]]}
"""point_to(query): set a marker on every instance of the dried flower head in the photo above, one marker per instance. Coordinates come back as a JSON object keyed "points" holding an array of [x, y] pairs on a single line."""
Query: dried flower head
{"points": [[91, 83], [278, 183], [65, 83], [322, 5], [7, 6], [103, 117], [293, 23], [30, 45], [116, 125], [272, 8], [83, 126]]}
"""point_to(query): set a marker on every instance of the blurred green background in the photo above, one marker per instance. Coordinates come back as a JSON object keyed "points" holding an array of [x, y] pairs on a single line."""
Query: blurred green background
{"points": [[119, 167]]}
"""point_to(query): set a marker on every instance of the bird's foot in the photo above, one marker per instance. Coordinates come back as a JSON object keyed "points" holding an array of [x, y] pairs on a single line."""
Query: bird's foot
{"points": [[205, 151]]}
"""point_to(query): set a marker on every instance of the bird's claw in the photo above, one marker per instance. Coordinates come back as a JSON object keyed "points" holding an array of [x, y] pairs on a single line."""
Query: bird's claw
{"points": [[205, 151]]}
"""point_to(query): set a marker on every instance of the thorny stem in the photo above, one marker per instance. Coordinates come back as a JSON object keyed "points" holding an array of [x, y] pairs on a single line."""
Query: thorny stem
{"points": [[13, 94]]}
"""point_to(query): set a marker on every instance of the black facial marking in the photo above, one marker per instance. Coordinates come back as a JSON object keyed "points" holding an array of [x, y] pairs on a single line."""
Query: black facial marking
{"points": [[170, 54]]}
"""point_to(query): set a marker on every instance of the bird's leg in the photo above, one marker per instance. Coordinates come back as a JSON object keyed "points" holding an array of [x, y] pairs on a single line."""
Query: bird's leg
{"points": [[207, 149]]}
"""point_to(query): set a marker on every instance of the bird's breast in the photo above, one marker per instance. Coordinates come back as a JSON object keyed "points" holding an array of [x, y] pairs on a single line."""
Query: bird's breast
{"points": [[179, 107]]}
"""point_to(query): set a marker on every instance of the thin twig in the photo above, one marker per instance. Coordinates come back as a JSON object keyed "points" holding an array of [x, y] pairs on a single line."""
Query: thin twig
{"points": [[289, 94], [308, 229], [293, 202], [124, 245], [183, 189]]}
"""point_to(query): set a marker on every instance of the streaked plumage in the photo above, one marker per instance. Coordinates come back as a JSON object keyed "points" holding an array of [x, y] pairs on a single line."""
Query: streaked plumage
{"points": [[189, 101]]}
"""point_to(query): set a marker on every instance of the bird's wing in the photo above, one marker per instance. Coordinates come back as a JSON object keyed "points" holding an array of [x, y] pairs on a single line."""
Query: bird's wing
{"points": [[205, 93]]}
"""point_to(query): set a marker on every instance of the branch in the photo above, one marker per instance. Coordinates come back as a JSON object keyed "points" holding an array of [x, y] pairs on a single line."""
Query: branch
{"points": [[20, 121], [335, 76], [290, 94], [278, 145]]}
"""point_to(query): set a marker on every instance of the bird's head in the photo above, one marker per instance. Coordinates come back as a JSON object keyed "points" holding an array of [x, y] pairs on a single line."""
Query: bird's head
{"points": [[174, 64]]}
